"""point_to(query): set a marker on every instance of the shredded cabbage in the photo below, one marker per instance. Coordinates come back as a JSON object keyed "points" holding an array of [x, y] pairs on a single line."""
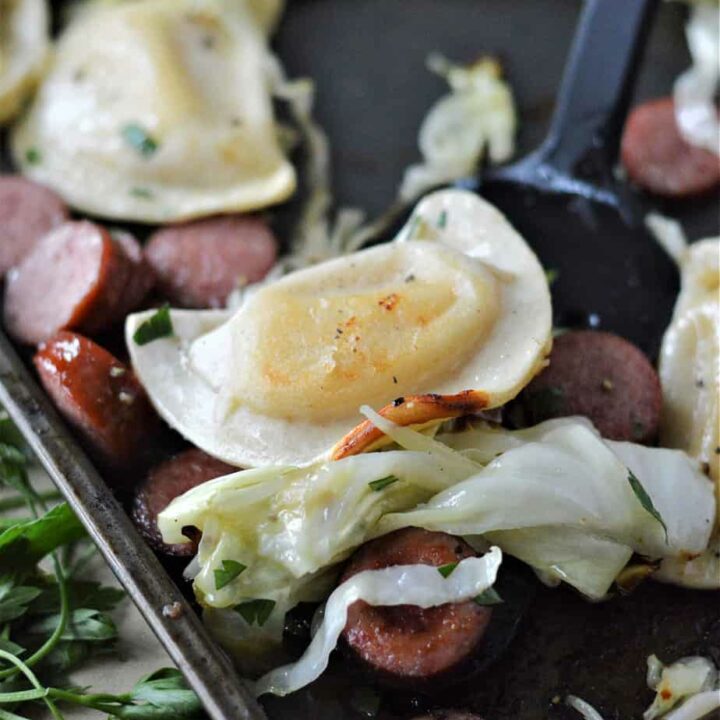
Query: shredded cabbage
{"points": [[478, 115], [288, 524], [694, 91], [420, 585], [561, 501], [557, 496], [583, 707], [701, 572], [683, 679], [692, 682], [696, 707], [690, 378]]}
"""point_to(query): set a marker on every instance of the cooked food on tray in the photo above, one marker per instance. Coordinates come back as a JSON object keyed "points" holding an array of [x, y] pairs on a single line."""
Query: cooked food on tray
{"points": [[690, 378], [158, 111], [280, 379], [388, 428]]}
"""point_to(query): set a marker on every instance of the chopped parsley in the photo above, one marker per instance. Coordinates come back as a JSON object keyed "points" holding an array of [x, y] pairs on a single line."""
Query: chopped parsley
{"points": [[488, 597], [255, 611], [446, 570], [142, 193], [230, 570], [645, 500], [158, 325], [552, 274], [140, 139], [382, 483], [442, 220], [33, 156]]}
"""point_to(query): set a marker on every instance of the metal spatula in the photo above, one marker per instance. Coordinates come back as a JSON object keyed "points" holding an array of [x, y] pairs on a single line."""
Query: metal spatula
{"points": [[564, 198]]}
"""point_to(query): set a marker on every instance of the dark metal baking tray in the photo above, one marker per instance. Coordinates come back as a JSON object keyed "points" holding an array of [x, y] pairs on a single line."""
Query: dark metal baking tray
{"points": [[367, 57]]}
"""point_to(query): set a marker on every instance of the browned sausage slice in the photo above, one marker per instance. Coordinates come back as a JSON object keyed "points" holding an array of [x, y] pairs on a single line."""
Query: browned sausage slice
{"points": [[603, 377], [99, 396], [408, 645], [659, 160], [27, 212], [198, 264], [76, 277], [167, 481]]}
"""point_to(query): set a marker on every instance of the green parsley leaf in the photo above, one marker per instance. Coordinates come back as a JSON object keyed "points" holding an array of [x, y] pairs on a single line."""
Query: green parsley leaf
{"points": [[382, 483], [12, 647], [645, 500], [140, 139], [446, 570], [442, 220], [9, 434], [160, 696], [552, 274], [488, 597], [255, 611], [23, 545], [66, 656], [158, 325], [82, 594], [230, 570], [85, 624], [15, 600], [33, 156], [142, 193], [10, 453]]}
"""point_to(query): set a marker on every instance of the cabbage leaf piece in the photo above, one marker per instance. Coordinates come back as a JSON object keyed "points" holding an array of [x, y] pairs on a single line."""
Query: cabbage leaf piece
{"points": [[287, 524], [420, 585], [556, 496]]}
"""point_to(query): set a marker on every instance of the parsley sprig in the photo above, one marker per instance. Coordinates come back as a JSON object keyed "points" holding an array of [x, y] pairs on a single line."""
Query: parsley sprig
{"points": [[50, 623]]}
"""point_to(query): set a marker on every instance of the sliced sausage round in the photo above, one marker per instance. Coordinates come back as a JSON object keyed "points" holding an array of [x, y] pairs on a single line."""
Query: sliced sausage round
{"points": [[198, 264], [659, 160], [27, 212], [406, 644], [603, 377], [167, 481], [99, 396], [76, 277]]}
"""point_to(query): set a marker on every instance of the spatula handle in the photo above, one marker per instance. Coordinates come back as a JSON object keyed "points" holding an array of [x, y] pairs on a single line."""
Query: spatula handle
{"points": [[596, 87]]}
